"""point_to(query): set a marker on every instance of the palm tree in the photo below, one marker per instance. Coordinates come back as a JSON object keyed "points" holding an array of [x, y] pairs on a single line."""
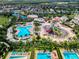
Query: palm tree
{"points": [[33, 54], [66, 45], [73, 45]]}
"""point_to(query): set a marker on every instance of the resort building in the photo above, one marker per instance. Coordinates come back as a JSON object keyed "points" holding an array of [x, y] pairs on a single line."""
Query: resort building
{"points": [[32, 16], [39, 19], [76, 20]]}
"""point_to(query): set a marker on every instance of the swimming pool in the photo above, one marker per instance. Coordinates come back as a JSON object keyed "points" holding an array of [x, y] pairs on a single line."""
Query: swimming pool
{"points": [[43, 56], [14, 53], [23, 31], [23, 17], [15, 14], [16, 57], [70, 55]]}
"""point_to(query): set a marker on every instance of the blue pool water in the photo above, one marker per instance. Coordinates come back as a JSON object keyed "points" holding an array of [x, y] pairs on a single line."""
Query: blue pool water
{"points": [[70, 55], [43, 56], [15, 14], [23, 17], [14, 53], [23, 31], [16, 57]]}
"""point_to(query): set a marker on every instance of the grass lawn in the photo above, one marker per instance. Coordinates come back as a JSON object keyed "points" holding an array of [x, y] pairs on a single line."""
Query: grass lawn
{"points": [[4, 20]]}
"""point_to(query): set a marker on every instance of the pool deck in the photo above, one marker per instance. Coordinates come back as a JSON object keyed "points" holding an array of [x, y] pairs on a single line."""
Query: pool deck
{"points": [[54, 54], [8, 56]]}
